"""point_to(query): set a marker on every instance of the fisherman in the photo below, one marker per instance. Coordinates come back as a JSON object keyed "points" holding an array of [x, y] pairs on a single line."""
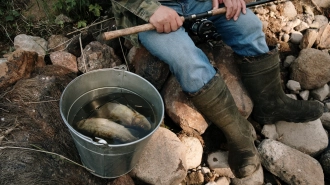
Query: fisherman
{"points": [[240, 29]]}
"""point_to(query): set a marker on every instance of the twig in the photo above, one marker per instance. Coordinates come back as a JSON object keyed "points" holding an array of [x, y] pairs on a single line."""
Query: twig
{"points": [[4, 109], [43, 151], [82, 52], [89, 26], [7, 34], [43, 101], [122, 50], [8, 131], [65, 42], [4, 94]]}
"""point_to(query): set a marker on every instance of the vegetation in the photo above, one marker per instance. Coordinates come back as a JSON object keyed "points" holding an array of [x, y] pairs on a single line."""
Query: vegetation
{"points": [[14, 21]]}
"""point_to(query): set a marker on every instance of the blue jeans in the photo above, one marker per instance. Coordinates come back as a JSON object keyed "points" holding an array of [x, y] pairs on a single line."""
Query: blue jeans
{"points": [[189, 64]]}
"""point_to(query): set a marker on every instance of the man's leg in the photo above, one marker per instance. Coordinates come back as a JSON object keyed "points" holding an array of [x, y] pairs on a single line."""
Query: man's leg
{"points": [[208, 92], [261, 77], [261, 74], [244, 36], [188, 63]]}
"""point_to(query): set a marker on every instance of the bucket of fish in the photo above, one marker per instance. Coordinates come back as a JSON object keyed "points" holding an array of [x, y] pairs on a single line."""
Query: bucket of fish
{"points": [[111, 115]]}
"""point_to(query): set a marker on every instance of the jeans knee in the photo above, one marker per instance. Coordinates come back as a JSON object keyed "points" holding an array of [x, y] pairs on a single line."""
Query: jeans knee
{"points": [[250, 23]]}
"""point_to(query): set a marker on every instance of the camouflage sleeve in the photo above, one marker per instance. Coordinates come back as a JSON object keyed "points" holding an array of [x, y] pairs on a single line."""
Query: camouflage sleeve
{"points": [[141, 8]]}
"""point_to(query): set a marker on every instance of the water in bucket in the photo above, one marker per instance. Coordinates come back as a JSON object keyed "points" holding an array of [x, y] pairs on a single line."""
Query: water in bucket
{"points": [[90, 91], [127, 103]]}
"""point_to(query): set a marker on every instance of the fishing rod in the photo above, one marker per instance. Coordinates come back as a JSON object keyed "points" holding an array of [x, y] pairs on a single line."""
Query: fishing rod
{"points": [[147, 27]]}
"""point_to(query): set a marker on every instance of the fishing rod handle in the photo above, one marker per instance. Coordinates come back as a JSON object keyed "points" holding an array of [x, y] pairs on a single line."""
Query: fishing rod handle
{"points": [[147, 27], [144, 27]]}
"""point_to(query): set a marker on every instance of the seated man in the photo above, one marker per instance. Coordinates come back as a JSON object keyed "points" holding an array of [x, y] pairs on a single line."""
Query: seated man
{"points": [[242, 31]]}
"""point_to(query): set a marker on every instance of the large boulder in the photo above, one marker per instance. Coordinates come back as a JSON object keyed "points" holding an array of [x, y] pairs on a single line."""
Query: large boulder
{"points": [[311, 69]]}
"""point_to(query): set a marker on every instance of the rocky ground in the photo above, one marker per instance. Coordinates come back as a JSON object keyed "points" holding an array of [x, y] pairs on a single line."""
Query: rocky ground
{"points": [[36, 147]]}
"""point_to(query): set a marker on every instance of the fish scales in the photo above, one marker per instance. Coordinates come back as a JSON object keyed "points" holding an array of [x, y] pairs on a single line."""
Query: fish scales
{"points": [[104, 128], [122, 114]]}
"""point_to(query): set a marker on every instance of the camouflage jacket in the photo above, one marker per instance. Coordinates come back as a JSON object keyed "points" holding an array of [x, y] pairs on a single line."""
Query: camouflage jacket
{"points": [[129, 13]]}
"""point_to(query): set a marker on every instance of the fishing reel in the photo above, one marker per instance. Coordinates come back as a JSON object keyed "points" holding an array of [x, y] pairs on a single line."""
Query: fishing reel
{"points": [[204, 29]]}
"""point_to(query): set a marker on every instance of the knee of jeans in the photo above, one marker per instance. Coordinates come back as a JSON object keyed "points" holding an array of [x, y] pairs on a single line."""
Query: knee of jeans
{"points": [[249, 23]]}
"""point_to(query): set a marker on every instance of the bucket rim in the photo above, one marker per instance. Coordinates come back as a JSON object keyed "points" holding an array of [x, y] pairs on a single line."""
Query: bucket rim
{"points": [[88, 139]]}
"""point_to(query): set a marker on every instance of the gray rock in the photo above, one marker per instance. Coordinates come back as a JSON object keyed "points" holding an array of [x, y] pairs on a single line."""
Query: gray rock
{"points": [[293, 85], [148, 66], [19, 65], [293, 96], [321, 20], [308, 10], [311, 69], [223, 181], [296, 37], [289, 10], [323, 38], [163, 160], [194, 151], [309, 138], [97, 56], [304, 94], [327, 105], [322, 3], [308, 39], [218, 161], [269, 131], [293, 23], [180, 109], [261, 10], [290, 165], [320, 93], [57, 43], [285, 37], [287, 29], [325, 119], [31, 43], [307, 18], [301, 27], [315, 25], [288, 60], [65, 59]]}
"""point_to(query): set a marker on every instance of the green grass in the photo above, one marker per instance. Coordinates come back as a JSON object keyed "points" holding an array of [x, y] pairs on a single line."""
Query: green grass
{"points": [[15, 22]]}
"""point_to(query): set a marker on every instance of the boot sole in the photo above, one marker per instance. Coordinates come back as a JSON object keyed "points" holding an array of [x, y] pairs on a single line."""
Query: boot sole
{"points": [[271, 120]]}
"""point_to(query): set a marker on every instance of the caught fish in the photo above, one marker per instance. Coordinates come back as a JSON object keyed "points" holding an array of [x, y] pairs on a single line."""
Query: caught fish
{"points": [[122, 114], [104, 128]]}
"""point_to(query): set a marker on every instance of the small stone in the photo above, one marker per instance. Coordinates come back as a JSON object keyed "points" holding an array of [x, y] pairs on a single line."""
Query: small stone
{"points": [[320, 93], [296, 37], [288, 60], [304, 94], [293, 96], [293, 85]]}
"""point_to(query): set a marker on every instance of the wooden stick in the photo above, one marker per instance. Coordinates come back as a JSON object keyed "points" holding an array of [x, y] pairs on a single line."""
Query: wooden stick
{"points": [[144, 27]]}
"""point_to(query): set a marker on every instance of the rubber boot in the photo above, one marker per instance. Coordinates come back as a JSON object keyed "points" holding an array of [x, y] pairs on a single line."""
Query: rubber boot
{"points": [[261, 78], [216, 103]]}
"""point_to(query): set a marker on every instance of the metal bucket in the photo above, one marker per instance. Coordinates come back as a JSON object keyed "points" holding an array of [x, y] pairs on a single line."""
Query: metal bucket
{"points": [[106, 160]]}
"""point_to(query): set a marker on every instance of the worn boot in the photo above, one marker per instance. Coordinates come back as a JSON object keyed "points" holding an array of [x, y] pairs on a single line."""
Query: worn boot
{"points": [[261, 78], [215, 102]]}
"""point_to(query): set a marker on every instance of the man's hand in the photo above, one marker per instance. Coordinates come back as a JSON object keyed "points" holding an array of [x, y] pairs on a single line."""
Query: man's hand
{"points": [[166, 20], [234, 7]]}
